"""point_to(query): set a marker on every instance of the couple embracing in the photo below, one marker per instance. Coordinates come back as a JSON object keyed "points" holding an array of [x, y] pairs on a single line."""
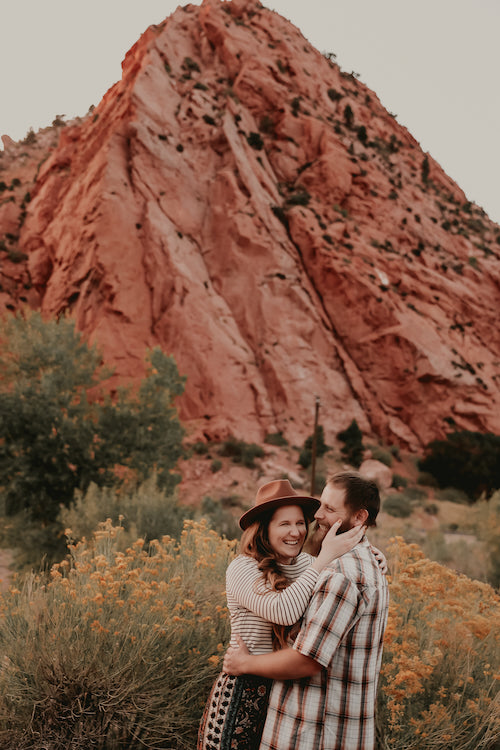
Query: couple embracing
{"points": [[306, 631]]}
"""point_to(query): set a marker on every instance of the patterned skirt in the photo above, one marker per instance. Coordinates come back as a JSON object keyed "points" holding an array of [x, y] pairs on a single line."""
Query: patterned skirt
{"points": [[235, 713]]}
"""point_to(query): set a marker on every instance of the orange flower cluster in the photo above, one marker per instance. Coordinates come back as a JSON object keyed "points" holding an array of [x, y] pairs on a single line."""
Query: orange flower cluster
{"points": [[139, 627], [439, 677], [141, 632]]}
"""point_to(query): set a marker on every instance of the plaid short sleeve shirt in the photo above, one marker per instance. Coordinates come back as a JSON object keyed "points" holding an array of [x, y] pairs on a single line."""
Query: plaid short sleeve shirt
{"points": [[343, 630]]}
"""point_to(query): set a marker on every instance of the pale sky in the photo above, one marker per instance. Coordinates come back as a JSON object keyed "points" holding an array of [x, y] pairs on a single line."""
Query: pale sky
{"points": [[435, 64]]}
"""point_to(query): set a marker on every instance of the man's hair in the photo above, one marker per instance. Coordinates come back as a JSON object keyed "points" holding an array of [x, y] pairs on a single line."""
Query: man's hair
{"points": [[360, 493]]}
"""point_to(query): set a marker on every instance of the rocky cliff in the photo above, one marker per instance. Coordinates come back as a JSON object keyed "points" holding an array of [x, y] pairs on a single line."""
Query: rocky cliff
{"points": [[240, 201]]}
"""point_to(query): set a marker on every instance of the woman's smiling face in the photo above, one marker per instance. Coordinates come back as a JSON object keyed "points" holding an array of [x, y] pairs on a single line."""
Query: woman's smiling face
{"points": [[287, 532]]}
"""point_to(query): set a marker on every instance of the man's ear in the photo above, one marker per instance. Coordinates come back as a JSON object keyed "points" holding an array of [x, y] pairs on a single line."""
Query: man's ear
{"points": [[360, 517]]}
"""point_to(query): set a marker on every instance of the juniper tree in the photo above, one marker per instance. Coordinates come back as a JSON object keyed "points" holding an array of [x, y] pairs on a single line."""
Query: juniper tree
{"points": [[55, 437]]}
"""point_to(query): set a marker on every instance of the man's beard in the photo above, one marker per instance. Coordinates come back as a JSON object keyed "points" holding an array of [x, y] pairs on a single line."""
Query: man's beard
{"points": [[319, 532]]}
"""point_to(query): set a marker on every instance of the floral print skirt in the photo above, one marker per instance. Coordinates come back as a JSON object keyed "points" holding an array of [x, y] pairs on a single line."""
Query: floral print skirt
{"points": [[235, 713]]}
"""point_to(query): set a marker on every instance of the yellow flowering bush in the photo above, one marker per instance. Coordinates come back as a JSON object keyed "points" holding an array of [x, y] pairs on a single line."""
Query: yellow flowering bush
{"points": [[439, 683], [119, 649]]}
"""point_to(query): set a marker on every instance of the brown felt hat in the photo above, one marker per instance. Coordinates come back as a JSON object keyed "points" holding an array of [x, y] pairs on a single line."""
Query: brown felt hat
{"points": [[275, 494]]}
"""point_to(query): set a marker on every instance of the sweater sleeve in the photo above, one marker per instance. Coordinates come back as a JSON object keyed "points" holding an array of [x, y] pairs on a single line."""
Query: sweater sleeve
{"points": [[245, 584]]}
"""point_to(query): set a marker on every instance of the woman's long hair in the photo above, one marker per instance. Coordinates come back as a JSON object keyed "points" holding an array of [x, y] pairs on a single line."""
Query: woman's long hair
{"points": [[255, 543]]}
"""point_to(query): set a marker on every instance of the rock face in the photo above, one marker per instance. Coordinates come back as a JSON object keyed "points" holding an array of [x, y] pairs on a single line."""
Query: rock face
{"points": [[240, 201]]}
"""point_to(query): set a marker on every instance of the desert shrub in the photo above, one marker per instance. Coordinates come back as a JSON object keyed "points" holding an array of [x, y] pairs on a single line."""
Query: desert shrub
{"points": [[397, 505], [255, 141], [381, 454], [215, 466], [488, 529], [55, 439], [431, 509], [240, 452], [334, 95], [33, 544], [362, 134], [441, 665], [399, 481], [30, 137], [415, 494], [145, 511], [299, 198], [275, 438], [467, 460], [467, 557], [266, 125], [348, 116], [353, 447], [395, 450], [280, 214], [295, 105], [426, 479], [219, 516], [305, 456], [124, 646], [425, 169], [452, 495], [200, 448], [190, 64]]}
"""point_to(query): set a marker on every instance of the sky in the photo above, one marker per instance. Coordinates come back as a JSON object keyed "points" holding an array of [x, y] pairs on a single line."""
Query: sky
{"points": [[435, 64]]}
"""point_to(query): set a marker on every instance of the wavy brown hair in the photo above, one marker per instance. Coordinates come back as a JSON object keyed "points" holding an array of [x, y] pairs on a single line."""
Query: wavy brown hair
{"points": [[255, 543]]}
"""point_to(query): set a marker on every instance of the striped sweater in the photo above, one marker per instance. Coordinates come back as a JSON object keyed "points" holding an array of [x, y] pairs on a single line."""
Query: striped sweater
{"points": [[254, 606]]}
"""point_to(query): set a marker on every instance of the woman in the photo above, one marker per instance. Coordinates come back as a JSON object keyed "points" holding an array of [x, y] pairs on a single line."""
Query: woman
{"points": [[268, 587]]}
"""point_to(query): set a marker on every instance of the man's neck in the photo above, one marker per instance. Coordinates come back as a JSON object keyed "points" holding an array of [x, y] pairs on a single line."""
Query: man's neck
{"points": [[312, 547]]}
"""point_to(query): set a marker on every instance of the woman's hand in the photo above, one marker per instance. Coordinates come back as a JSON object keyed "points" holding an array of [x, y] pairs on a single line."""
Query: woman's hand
{"points": [[381, 559], [234, 658], [335, 545]]}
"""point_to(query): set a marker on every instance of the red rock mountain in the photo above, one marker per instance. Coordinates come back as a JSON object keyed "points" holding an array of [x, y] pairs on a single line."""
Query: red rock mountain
{"points": [[240, 201]]}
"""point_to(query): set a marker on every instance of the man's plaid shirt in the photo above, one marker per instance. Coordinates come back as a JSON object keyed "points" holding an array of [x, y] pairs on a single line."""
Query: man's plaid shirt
{"points": [[342, 629]]}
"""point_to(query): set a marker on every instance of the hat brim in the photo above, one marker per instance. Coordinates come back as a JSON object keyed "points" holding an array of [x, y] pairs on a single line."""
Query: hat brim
{"points": [[308, 504]]}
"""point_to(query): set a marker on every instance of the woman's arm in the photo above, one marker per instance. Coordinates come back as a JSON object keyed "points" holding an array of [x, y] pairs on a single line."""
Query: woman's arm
{"points": [[380, 558], [244, 581], [246, 586]]}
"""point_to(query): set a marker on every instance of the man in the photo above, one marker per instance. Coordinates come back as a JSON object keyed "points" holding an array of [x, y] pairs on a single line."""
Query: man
{"points": [[335, 661]]}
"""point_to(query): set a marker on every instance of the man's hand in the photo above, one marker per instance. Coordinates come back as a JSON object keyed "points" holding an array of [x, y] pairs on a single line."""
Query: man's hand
{"points": [[235, 657]]}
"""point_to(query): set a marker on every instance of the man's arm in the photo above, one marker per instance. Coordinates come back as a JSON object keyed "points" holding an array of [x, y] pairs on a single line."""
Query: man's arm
{"points": [[286, 664]]}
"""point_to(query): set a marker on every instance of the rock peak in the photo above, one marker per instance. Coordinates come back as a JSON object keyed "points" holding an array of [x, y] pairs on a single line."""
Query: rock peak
{"points": [[245, 204]]}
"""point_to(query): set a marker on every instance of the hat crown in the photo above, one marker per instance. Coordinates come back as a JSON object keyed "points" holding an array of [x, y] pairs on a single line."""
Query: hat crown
{"points": [[273, 495], [278, 488]]}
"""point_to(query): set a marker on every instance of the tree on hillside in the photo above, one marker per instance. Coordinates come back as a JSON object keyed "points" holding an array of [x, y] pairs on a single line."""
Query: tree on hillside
{"points": [[305, 457], [353, 447], [467, 460], [54, 438]]}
